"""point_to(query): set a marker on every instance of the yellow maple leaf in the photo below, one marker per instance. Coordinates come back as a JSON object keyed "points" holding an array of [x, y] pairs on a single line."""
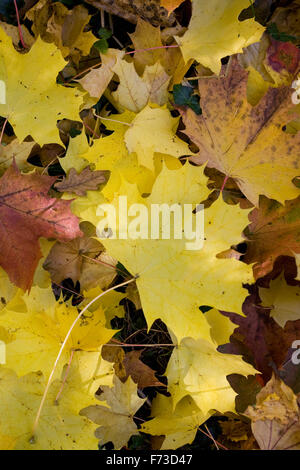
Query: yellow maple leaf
{"points": [[115, 414], [33, 100], [97, 80], [111, 153], [134, 92], [173, 281], [179, 425], [284, 300], [197, 369], [60, 426], [152, 122], [37, 332], [215, 32]]}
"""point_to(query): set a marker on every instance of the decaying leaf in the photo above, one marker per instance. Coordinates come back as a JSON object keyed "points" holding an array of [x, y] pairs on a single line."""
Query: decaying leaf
{"points": [[246, 142], [83, 260], [275, 419], [79, 184], [140, 373], [274, 231]]}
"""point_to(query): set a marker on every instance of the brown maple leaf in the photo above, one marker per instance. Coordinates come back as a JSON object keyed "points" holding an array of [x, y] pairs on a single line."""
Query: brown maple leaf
{"points": [[274, 231], [246, 143], [26, 214], [80, 183]]}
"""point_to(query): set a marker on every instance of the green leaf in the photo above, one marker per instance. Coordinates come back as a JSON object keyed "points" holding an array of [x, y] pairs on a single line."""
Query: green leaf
{"points": [[183, 96], [104, 33], [101, 45], [284, 37]]}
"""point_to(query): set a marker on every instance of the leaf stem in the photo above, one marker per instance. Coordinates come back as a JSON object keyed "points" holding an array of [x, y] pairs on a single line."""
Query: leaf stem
{"points": [[2, 130], [19, 26], [63, 345]]}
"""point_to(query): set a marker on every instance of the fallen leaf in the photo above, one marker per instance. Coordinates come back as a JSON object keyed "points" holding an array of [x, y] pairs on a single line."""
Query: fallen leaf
{"points": [[198, 370], [54, 22], [31, 88], [135, 92], [20, 400], [204, 40], [179, 425], [97, 80], [282, 299], [28, 213], [171, 5], [140, 373], [116, 416], [246, 142], [151, 122], [79, 184], [275, 419], [132, 11], [274, 231], [83, 260], [18, 151]]}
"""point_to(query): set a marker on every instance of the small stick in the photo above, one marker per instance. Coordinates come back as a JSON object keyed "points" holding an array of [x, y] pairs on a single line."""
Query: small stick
{"points": [[113, 120]]}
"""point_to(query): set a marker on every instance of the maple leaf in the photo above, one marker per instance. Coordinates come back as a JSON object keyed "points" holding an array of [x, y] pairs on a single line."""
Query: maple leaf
{"points": [[111, 153], [259, 338], [79, 184], [116, 416], [37, 331], [27, 213], [148, 45], [170, 5], [214, 32], [244, 142], [179, 425], [275, 419], [284, 300], [147, 123], [18, 152], [274, 231], [54, 22], [109, 303], [97, 80], [173, 281], [20, 400], [134, 92], [270, 63], [31, 90], [197, 369], [140, 373], [83, 260]]}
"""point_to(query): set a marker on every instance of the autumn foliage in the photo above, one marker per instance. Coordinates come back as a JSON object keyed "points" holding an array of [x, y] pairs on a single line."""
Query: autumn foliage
{"points": [[142, 343]]}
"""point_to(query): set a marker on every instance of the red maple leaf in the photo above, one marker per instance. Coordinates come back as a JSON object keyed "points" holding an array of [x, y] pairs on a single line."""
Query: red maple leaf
{"points": [[27, 213]]}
